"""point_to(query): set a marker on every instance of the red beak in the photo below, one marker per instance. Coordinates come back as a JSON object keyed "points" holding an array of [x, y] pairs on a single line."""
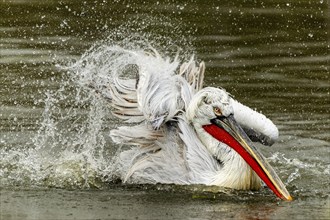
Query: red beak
{"points": [[227, 130]]}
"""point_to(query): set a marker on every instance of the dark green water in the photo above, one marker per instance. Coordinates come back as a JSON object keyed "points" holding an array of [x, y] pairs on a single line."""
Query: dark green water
{"points": [[271, 55]]}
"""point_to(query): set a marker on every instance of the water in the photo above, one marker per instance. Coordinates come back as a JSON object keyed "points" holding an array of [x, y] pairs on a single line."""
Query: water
{"points": [[54, 135]]}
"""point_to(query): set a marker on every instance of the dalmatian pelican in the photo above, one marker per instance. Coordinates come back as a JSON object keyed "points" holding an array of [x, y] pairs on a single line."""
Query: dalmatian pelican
{"points": [[178, 132]]}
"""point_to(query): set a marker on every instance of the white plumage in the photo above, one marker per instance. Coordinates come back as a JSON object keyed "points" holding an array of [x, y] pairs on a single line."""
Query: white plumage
{"points": [[165, 108]]}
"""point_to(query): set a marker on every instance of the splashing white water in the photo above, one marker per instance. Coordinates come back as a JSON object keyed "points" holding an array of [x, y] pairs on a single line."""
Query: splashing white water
{"points": [[296, 169], [68, 149], [72, 147]]}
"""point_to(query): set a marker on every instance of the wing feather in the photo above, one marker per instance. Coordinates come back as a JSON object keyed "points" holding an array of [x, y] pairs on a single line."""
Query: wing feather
{"points": [[193, 74], [144, 87]]}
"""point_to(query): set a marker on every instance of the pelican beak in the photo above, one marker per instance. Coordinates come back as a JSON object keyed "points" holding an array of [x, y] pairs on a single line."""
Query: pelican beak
{"points": [[227, 130]]}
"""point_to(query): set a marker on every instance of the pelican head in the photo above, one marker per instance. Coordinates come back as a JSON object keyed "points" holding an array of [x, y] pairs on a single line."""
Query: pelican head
{"points": [[211, 112], [209, 103]]}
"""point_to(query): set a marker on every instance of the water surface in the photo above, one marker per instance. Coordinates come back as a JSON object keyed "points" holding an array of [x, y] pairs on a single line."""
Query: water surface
{"points": [[55, 148]]}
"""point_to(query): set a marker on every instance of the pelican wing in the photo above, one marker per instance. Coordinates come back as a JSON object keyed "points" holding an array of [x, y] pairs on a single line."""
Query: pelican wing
{"points": [[139, 134], [193, 74], [142, 86]]}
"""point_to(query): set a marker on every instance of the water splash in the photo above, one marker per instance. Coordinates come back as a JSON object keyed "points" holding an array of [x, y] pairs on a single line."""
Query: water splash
{"points": [[69, 147], [293, 176], [72, 147], [297, 164], [302, 176]]}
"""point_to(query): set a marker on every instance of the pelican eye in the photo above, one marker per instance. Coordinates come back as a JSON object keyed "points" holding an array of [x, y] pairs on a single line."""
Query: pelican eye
{"points": [[217, 111]]}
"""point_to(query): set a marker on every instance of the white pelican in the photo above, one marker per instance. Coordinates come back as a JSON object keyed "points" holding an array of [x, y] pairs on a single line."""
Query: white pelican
{"points": [[179, 132]]}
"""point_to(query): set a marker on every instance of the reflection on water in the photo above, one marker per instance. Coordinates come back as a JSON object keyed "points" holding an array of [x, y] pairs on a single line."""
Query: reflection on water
{"points": [[273, 56]]}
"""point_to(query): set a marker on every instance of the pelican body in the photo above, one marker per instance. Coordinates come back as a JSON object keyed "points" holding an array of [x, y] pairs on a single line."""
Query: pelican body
{"points": [[179, 132]]}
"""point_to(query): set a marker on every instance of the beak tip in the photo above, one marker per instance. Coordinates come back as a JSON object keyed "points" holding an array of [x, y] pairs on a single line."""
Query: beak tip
{"points": [[286, 197], [289, 198]]}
